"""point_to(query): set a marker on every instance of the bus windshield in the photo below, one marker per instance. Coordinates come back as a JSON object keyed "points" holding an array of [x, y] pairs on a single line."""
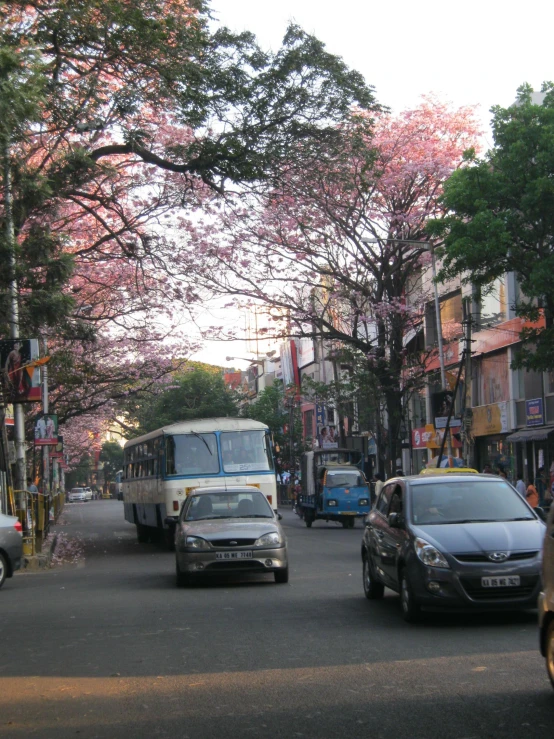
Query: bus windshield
{"points": [[246, 451], [192, 454]]}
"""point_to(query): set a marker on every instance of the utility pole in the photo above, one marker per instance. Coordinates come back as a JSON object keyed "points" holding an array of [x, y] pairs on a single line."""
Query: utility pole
{"points": [[467, 413], [19, 416]]}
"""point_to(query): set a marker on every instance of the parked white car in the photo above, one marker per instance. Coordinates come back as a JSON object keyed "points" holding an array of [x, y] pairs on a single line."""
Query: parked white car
{"points": [[88, 493], [77, 495]]}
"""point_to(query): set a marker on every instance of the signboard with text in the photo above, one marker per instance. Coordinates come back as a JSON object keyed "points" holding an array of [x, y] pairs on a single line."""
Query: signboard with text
{"points": [[534, 412]]}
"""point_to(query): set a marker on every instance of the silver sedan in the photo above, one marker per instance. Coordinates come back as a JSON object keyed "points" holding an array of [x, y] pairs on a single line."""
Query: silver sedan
{"points": [[229, 529], [11, 546]]}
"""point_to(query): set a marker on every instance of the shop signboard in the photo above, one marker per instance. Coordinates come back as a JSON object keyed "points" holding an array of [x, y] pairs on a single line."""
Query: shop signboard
{"points": [[534, 412], [319, 415], [490, 419], [435, 436], [420, 437]]}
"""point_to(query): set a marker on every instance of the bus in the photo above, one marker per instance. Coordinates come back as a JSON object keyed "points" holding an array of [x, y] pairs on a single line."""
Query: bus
{"points": [[160, 469]]}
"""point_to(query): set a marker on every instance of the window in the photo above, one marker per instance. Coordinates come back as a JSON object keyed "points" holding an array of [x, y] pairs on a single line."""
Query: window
{"points": [[493, 306], [451, 319], [246, 451], [192, 454], [383, 501]]}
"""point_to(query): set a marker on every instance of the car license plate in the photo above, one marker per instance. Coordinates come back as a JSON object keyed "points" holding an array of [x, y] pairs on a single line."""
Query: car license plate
{"points": [[233, 555], [509, 581]]}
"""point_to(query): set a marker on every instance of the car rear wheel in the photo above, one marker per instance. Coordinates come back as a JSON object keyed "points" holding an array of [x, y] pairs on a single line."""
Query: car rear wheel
{"points": [[410, 607], [373, 589], [3, 569], [282, 576], [550, 651]]}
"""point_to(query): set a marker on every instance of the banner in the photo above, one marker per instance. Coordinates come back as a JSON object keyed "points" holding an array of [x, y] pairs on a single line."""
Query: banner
{"points": [[20, 374], [490, 419], [46, 430], [58, 451]]}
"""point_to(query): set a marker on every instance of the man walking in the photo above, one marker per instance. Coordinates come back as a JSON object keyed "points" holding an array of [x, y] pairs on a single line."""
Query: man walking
{"points": [[520, 485]]}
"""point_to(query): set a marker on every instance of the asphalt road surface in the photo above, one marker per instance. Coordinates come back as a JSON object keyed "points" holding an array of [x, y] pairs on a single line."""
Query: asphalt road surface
{"points": [[108, 646]]}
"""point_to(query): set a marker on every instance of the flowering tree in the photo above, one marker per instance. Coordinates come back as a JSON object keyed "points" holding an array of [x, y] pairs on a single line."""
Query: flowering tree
{"points": [[142, 113], [335, 248]]}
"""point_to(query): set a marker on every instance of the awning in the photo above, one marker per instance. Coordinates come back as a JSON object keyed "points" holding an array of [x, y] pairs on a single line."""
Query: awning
{"points": [[538, 434]]}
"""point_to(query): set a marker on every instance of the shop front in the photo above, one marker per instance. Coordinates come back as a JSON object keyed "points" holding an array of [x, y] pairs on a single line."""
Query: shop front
{"points": [[490, 428]]}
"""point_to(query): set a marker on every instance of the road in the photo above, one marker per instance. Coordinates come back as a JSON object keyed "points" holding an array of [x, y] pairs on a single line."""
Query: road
{"points": [[109, 647]]}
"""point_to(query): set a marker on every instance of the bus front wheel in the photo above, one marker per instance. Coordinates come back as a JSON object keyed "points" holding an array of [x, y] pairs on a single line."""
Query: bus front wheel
{"points": [[143, 534]]}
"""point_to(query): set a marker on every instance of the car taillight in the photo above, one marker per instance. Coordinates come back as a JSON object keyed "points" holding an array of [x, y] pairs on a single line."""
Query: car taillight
{"points": [[18, 527], [175, 505]]}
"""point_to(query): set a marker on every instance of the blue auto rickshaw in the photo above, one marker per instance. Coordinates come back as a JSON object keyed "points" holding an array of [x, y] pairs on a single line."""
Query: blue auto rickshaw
{"points": [[333, 487]]}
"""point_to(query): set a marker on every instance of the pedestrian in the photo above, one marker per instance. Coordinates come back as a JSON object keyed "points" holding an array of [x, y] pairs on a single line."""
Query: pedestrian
{"points": [[378, 478], [502, 474], [31, 487], [520, 485], [532, 496], [487, 469], [540, 484]]}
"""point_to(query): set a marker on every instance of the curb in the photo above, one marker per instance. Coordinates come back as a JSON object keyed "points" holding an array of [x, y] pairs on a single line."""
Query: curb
{"points": [[42, 560]]}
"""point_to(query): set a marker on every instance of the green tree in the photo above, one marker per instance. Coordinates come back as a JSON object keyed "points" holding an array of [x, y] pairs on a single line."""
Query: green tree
{"points": [[112, 457], [501, 217], [196, 393], [281, 412]]}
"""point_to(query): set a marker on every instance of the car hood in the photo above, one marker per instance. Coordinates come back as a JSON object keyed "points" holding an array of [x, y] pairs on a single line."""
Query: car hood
{"points": [[241, 528], [498, 536]]}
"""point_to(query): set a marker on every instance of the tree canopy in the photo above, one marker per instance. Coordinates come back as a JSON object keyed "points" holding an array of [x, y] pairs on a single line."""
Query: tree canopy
{"points": [[139, 113], [195, 392], [500, 217], [335, 248]]}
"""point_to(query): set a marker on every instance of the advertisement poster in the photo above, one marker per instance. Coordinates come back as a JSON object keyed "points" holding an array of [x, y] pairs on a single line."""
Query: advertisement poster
{"points": [[490, 419], [328, 438], [46, 430], [20, 379]]}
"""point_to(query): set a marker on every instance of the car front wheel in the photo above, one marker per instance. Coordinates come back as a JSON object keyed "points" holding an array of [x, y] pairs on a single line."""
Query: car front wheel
{"points": [[410, 607], [550, 651], [282, 576], [3, 570], [373, 589]]}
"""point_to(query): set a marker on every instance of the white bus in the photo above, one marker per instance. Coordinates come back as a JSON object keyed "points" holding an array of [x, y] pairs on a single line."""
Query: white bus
{"points": [[161, 468]]}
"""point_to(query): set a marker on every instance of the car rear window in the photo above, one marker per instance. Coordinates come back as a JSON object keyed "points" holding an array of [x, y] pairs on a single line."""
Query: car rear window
{"points": [[467, 501]]}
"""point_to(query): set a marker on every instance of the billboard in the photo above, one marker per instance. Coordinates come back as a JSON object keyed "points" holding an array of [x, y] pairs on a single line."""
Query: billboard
{"points": [[46, 430], [20, 377], [306, 352]]}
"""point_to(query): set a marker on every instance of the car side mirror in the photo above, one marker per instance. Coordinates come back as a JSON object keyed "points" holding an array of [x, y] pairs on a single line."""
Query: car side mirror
{"points": [[279, 517], [169, 521], [396, 520]]}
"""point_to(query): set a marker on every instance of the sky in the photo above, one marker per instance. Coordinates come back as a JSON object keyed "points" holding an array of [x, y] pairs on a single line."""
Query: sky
{"points": [[470, 53]]}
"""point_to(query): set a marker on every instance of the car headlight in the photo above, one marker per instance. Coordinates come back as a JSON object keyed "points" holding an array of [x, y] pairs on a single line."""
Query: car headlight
{"points": [[331, 502], [269, 540], [195, 542], [429, 555], [363, 501]]}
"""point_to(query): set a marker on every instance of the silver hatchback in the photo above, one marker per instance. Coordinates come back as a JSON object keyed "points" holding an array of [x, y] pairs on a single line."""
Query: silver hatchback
{"points": [[231, 529]]}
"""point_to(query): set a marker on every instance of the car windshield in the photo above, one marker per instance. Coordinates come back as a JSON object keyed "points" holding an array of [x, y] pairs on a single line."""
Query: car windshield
{"points": [[467, 501], [343, 479], [227, 505]]}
